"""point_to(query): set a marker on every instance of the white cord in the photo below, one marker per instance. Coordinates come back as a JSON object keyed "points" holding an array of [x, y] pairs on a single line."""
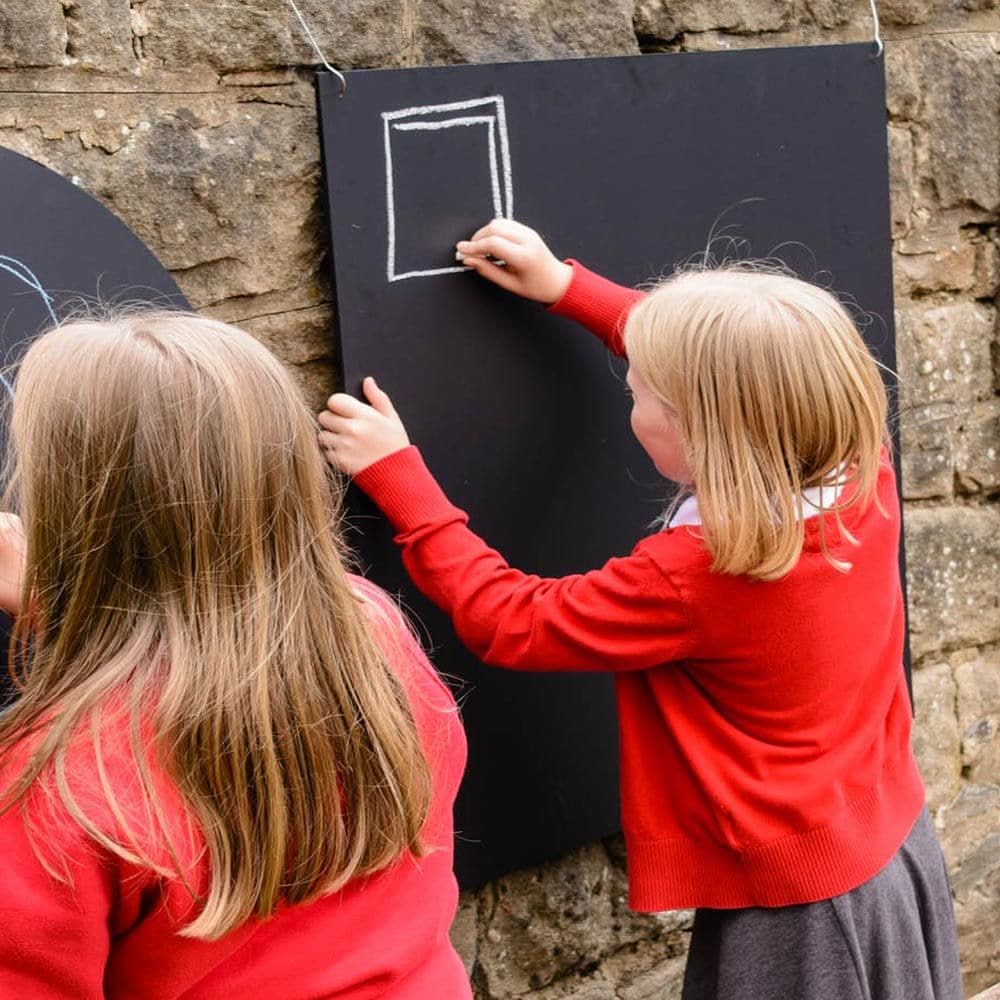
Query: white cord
{"points": [[319, 51], [879, 47]]}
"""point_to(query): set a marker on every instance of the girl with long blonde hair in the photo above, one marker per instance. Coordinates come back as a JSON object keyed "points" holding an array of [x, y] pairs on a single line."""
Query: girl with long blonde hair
{"points": [[229, 769], [756, 640]]}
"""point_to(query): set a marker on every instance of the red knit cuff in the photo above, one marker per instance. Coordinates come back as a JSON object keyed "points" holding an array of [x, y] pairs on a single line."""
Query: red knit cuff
{"points": [[597, 303], [405, 490]]}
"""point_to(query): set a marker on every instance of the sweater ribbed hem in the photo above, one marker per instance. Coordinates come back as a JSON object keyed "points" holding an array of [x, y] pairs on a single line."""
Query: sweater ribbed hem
{"points": [[405, 490], [802, 868]]}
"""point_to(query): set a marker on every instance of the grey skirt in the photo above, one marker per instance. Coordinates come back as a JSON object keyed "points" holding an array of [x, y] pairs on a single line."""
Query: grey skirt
{"points": [[892, 938]]}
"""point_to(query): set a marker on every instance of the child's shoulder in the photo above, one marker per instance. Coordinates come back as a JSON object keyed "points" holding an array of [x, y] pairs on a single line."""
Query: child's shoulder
{"points": [[108, 774]]}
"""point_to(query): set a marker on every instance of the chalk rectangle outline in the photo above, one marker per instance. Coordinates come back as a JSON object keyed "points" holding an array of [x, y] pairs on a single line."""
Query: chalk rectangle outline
{"points": [[503, 198]]}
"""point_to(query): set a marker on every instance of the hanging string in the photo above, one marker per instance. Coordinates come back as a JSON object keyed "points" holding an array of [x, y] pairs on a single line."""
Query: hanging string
{"points": [[318, 50], [879, 47]]}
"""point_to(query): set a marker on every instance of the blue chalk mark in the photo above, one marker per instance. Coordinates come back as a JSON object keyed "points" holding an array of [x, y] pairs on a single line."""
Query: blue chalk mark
{"points": [[24, 273]]}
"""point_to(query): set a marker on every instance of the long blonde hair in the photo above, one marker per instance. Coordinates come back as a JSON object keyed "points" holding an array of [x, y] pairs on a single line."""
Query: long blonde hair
{"points": [[182, 560], [773, 392]]}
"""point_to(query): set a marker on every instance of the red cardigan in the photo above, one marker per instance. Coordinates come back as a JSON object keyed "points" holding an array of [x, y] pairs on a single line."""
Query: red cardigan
{"points": [[112, 934], [765, 726]]}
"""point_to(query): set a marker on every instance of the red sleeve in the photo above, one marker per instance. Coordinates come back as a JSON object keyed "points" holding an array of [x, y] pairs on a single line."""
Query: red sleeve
{"points": [[628, 615], [598, 304], [55, 936]]}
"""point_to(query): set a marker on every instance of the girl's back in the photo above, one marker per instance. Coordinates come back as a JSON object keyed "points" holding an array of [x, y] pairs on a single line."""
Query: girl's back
{"points": [[230, 766], [111, 931]]}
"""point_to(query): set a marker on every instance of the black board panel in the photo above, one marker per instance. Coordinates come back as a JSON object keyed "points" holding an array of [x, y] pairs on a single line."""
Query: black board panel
{"points": [[630, 164], [61, 249]]}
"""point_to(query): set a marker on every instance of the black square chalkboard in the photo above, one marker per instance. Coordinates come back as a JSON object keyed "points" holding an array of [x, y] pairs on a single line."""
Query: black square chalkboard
{"points": [[630, 164]]}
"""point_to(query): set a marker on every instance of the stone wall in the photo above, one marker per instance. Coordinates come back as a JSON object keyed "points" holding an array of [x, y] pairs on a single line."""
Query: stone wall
{"points": [[194, 121]]}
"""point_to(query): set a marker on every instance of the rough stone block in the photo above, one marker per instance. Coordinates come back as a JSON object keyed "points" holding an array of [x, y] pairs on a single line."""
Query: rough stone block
{"points": [[464, 930], [905, 11], [947, 449], [597, 989], [255, 34], [550, 921], [977, 448], [950, 268], [663, 982], [987, 266], [831, 13], [99, 34], [928, 451], [946, 389], [978, 686], [935, 737], [900, 178], [953, 564], [944, 353], [448, 32], [32, 33], [961, 112], [665, 19], [970, 835], [902, 79], [224, 189]]}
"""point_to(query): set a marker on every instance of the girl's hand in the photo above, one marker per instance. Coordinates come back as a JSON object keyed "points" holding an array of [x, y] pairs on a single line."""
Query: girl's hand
{"points": [[529, 267], [356, 435], [11, 562]]}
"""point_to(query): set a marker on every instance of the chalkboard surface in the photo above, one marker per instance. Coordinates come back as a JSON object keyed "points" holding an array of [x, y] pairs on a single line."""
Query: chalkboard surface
{"points": [[59, 249], [631, 165]]}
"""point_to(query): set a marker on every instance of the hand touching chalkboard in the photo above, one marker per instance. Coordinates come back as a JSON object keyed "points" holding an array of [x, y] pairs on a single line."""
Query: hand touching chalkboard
{"points": [[529, 267], [354, 435]]}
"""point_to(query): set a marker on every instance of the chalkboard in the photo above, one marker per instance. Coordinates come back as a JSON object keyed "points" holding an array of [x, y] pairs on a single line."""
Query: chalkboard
{"points": [[60, 248], [630, 164]]}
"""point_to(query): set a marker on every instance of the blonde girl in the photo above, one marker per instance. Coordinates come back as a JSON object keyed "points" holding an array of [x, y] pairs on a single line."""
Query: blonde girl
{"points": [[766, 771], [228, 770]]}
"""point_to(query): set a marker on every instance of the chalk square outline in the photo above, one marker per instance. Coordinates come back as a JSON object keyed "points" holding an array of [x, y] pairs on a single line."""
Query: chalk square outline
{"points": [[496, 124]]}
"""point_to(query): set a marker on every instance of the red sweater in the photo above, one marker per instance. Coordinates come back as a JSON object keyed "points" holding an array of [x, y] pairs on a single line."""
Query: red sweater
{"points": [[112, 934], [765, 726]]}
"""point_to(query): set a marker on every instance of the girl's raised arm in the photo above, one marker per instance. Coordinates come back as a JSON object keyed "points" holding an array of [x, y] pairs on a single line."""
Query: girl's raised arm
{"points": [[628, 615]]}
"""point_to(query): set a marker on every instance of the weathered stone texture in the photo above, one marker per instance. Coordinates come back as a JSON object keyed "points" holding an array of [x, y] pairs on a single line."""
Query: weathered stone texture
{"points": [[225, 190], [99, 34], [953, 563], [515, 29], [243, 35], [900, 178], [667, 18], [545, 923], [905, 11], [947, 405], [960, 110], [936, 739], [978, 696], [970, 835], [32, 33]]}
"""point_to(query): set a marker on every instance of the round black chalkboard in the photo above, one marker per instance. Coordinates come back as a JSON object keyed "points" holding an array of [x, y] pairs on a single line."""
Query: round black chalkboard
{"points": [[61, 250]]}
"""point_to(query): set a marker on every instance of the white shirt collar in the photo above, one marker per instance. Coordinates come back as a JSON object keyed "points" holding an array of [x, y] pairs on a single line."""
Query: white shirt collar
{"points": [[814, 500]]}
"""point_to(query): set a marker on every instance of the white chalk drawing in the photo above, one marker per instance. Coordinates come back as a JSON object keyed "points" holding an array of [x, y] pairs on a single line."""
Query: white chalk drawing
{"points": [[24, 273], [444, 116]]}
